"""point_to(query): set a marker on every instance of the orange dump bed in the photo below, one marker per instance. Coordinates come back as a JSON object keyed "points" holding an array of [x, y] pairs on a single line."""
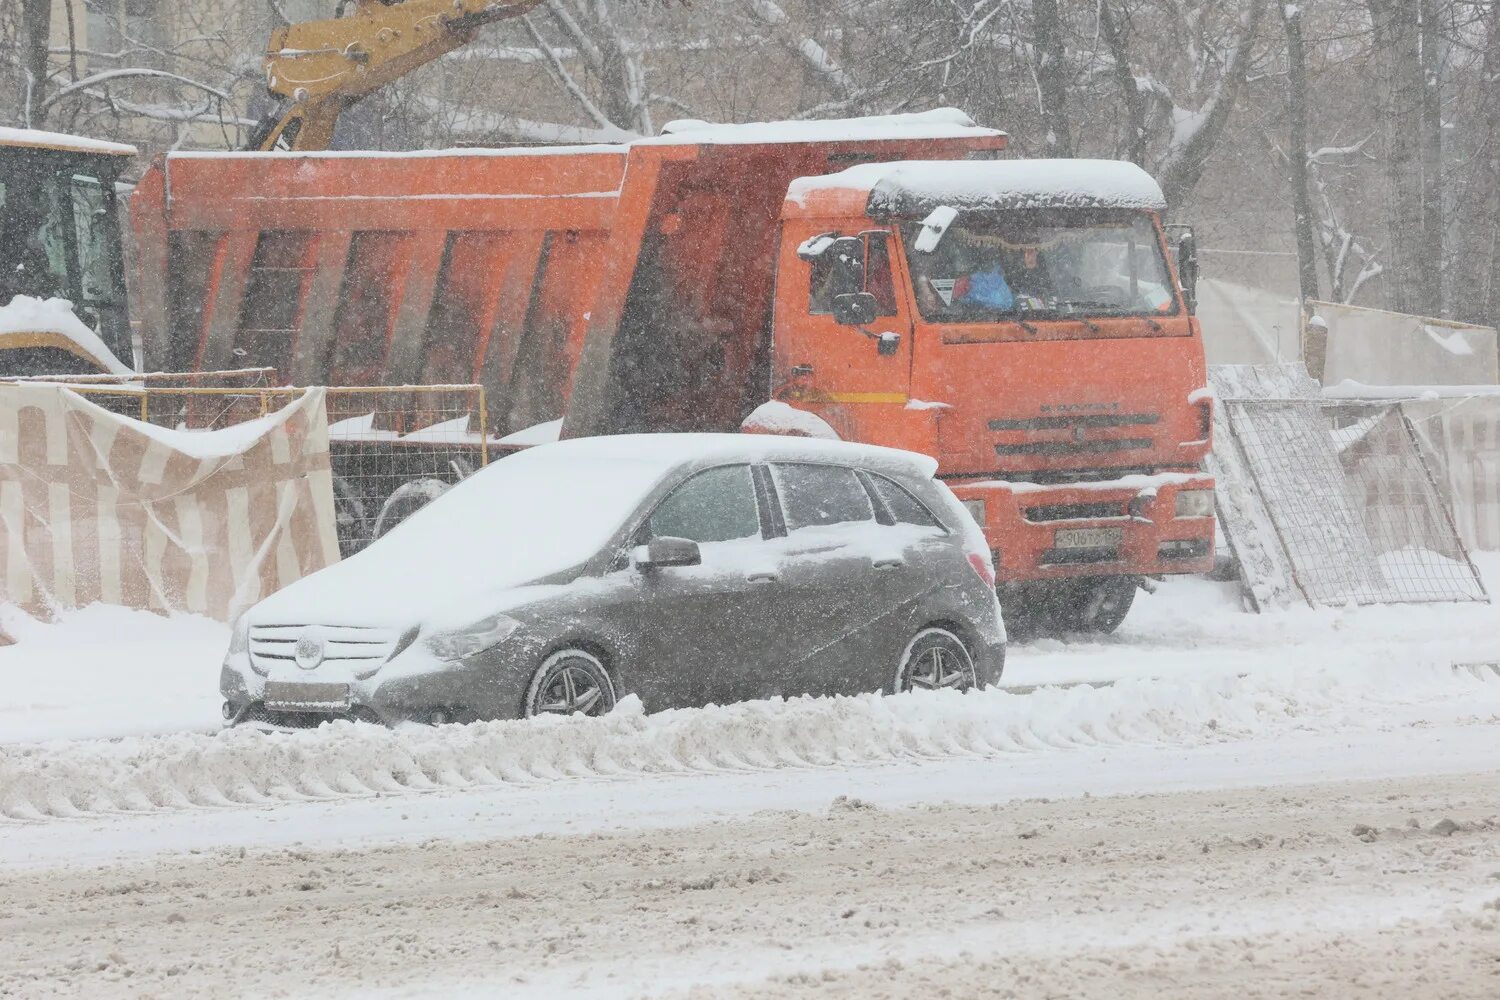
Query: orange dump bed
{"points": [[619, 287]]}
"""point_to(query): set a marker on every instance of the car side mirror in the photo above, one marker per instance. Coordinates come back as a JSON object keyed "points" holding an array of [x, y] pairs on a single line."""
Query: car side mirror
{"points": [[664, 553], [855, 309]]}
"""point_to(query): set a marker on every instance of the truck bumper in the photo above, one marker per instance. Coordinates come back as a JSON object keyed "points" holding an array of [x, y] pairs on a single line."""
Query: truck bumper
{"points": [[1122, 527]]}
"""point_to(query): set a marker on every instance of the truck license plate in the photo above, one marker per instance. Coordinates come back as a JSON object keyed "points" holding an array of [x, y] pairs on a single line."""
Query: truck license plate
{"points": [[306, 697], [1089, 538]]}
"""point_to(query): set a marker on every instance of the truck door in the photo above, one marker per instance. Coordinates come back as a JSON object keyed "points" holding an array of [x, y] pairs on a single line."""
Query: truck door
{"points": [[842, 335]]}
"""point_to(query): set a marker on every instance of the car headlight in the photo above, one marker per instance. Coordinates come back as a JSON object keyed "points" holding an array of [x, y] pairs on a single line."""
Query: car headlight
{"points": [[1195, 503], [464, 642]]}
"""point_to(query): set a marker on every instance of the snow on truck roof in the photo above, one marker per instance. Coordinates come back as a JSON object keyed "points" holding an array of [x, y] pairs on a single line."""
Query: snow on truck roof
{"points": [[913, 189], [26, 138]]}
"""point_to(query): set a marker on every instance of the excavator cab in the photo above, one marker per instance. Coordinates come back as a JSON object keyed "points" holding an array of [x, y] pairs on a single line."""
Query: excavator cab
{"points": [[60, 240]]}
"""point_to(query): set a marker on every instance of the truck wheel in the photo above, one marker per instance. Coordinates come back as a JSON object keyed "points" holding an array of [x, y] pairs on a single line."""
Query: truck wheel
{"points": [[407, 499], [350, 518], [1098, 604]]}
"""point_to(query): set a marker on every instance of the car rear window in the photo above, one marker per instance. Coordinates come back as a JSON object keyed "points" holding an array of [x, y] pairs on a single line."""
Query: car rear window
{"points": [[903, 507], [819, 495], [716, 505]]}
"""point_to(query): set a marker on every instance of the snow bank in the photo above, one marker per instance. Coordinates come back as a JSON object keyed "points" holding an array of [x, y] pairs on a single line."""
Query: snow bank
{"points": [[106, 671], [25, 314], [248, 767]]}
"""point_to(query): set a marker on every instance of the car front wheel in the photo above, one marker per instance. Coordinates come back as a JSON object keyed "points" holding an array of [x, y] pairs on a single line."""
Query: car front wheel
{"points": [[936, 659], [570, 682]]}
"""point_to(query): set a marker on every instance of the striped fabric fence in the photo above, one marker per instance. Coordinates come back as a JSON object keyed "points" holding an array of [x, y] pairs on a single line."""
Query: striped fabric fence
{"points": [[100, 507]]}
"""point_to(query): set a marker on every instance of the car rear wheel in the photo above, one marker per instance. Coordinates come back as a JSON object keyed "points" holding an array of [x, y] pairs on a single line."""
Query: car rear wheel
{"points": [[936, 659], [570, 682]]}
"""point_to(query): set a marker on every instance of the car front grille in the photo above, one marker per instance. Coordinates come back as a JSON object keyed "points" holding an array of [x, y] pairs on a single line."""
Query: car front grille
{"points": [[356, 646]]}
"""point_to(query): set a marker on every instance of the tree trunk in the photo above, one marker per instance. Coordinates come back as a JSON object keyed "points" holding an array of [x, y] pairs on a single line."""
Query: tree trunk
{"points": [[1307, 251], [1491, 76], [1433, 258], [1052, 77], [1135, 107], [36, 20], [1398, 36]]}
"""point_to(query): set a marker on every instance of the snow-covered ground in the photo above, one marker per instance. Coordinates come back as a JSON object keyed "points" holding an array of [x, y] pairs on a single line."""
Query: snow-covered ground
{"points": [[1217, 804]]}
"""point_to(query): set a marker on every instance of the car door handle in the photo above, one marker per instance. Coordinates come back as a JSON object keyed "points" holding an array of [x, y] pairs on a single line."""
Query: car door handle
{"points": [[763, 577], [888, 563]]}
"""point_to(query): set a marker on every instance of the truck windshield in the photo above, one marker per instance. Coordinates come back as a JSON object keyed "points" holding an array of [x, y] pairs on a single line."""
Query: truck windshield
{"points": [[1042, 264], [58, 238]]}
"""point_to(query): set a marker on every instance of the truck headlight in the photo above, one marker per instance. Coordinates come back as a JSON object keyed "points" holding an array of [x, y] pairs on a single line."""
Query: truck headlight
{"points": [[1195, 503], [458, 644]]}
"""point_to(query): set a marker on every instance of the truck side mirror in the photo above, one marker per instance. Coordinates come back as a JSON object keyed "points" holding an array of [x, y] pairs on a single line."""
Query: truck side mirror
{"points": [[1187, 269], [855, 309], [846, 256]]}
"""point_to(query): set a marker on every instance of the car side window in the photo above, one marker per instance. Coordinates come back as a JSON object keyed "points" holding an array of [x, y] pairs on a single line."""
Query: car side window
{"points": [[900, 504], [819, 495], [716, 505]]}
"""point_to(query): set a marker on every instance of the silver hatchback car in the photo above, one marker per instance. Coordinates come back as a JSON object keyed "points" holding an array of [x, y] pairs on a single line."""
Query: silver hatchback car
{"points": [[685, 569]]}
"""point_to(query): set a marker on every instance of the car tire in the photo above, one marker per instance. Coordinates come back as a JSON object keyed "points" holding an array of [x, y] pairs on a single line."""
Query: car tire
{"points": [[935, 659], [1098, 605], [570, 682]]}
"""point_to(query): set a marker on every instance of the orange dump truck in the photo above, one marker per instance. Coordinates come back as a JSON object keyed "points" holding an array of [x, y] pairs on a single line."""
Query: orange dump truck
{"points": [[890, 280]]}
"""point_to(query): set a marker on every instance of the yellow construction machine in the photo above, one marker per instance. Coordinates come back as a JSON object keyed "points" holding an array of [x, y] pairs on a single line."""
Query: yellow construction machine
{"points": [[317, 69]]}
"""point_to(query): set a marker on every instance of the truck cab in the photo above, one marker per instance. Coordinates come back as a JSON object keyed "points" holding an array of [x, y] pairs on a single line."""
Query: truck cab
{"points": [[62, 279], [1023, 322]]}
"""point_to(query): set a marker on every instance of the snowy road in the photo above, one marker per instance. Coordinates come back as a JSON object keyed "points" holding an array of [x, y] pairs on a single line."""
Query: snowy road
{"points": [[1180, 822], [1372, 888]]}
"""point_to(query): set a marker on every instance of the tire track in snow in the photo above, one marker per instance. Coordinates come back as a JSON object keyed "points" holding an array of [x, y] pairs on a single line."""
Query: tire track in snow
{"points": [[247, 767]]}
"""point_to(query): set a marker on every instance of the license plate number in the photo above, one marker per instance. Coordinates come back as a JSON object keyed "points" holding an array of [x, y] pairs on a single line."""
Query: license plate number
{"points": [[1089, 538], [305, 697]]}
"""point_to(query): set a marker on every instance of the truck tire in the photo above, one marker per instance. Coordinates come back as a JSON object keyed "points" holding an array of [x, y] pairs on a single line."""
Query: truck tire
{"points": [[407, 499], [1095, 604]]}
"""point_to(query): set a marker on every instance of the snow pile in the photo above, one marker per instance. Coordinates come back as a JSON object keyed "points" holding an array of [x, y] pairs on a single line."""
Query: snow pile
{"points": [[776, 417], [248, 767], [25, 314], [108, 671]]}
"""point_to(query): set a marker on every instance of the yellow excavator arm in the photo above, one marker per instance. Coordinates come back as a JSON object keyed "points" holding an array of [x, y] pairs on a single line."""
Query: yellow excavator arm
{"points": [[318, 68]]}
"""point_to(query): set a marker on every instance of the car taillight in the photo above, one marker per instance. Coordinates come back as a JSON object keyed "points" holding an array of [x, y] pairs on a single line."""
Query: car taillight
{"points": [[981, 563]]}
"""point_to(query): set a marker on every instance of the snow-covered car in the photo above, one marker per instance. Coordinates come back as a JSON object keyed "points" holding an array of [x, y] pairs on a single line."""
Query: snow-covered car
{"points": [[685, 569]]}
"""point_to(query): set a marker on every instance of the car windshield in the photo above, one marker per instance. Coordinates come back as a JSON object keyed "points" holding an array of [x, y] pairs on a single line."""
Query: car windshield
{"points": [[1041, 265]]}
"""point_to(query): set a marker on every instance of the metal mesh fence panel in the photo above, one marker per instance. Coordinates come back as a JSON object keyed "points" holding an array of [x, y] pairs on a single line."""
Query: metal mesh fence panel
{"points": [[395, 449], [1407, 519], [1352, 503]]}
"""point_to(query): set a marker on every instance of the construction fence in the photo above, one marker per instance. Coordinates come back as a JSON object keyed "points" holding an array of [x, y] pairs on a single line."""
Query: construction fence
{"points": [[1332, 502], [204, 497]]}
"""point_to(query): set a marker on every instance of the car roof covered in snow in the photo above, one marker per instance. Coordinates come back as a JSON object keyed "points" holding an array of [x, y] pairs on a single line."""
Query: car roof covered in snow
{"points": [[670, 450], [914, 189], [26, 138]]}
